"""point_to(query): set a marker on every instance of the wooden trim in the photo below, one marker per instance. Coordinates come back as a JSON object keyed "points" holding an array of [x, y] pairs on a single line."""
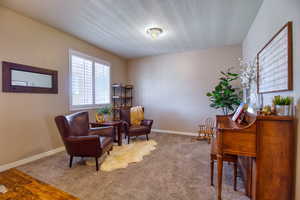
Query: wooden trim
{"points": [[7, 67], [290, 58], [275, 118], [240, 153], [290, 55], [31, 159]]}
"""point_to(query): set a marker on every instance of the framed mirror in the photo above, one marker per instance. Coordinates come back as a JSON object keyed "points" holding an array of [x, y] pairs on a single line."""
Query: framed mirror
{"points": [[28, 79]]}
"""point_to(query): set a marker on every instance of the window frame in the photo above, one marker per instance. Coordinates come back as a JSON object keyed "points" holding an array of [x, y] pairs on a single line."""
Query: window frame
{"points": [[94, 60]]}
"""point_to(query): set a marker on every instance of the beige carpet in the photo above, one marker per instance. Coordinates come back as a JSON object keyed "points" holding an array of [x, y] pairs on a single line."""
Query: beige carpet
{"points": [[177, 170]]}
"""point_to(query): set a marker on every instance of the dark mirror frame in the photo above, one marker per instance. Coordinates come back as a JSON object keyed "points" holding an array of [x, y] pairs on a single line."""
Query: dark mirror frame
{"points": [[7, 67]]}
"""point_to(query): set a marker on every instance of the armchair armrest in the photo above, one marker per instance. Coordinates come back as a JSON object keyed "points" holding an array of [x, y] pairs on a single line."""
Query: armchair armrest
{"points": [[125, 126], [102, 131], [147, 122], [83, 145], [82, 138], [85, 140]]}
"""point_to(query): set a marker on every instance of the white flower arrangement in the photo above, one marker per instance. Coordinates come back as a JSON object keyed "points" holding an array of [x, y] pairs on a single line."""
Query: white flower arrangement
{"points": [[248, 73]]}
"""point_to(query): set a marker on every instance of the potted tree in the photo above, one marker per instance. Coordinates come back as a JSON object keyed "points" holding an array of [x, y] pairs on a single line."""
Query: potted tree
{"points": [[282, 105], [225, 96]]}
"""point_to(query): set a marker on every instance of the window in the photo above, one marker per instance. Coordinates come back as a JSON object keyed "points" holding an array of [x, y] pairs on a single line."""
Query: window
{"points": [[90, 81]]}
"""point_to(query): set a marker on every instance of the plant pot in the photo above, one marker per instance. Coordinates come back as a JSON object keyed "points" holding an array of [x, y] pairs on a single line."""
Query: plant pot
{"points": [[283, 110], [107, 118], [100, 118]]}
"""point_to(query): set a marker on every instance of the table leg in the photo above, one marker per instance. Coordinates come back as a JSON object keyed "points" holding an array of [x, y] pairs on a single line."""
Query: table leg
{"points": [[220, 175], [119, 135], [115, 134]]}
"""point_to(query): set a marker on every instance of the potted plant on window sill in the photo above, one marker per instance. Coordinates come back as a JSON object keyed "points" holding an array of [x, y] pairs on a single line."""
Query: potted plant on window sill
{"points": [[282, 105], [103, 114]]}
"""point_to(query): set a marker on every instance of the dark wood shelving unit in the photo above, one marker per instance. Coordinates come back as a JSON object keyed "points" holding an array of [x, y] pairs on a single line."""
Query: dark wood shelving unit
{"points": [[122, 98]]}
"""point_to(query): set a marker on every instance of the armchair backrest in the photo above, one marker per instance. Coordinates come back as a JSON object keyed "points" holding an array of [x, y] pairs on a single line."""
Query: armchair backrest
{"points": [[76, 124], [125, 115]]}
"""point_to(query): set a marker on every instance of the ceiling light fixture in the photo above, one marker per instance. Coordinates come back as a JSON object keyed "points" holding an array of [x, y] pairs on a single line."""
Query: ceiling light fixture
{"points": [[154, 32]]}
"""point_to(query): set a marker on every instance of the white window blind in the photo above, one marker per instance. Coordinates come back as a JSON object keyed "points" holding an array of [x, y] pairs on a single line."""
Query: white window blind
{"points": [[102, 83], [90, 81]]}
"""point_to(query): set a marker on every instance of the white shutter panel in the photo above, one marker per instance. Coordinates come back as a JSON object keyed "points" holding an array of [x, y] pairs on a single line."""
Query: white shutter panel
{"points": [[82, 81], [102, 83]]}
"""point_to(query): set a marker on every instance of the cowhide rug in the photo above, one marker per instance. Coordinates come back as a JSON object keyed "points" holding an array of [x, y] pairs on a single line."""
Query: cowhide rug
{"points": [[121, 156]]}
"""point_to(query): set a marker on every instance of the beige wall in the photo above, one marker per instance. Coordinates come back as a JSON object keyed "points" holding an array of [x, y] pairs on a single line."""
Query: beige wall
{"points": [[272, 15], [27, 120], [173, 87]]}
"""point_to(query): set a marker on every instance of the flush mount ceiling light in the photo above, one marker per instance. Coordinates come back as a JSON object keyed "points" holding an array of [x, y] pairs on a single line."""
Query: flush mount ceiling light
{"points": [[154, 32]]}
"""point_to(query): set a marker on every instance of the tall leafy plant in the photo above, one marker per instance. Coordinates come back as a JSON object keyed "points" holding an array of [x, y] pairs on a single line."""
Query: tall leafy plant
{"points": [[224, 96]]}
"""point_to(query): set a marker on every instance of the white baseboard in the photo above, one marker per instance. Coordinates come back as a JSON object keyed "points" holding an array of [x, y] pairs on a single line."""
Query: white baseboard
{"points": [[174, 132], [30, 159]]}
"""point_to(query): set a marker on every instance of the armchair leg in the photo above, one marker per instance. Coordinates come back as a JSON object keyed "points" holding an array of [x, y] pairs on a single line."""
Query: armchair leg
{"points": [[71, 161], [128, 139], [97, 164], [147, 136]]}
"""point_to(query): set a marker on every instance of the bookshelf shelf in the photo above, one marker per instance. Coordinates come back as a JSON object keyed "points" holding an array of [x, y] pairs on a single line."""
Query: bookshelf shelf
{"points": [[122, 98]]}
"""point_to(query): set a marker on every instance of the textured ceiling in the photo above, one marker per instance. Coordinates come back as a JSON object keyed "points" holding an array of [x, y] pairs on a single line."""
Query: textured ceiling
{"points": [[119, 25]]}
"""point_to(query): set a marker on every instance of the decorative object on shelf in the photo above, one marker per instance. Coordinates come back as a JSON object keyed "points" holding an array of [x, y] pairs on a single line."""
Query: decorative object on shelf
{"points": [[275, 64], [103, 114], [224, 96], [116, 85], [206, 130], [282, 105], [247, 77], [268, 110], [122, 98], [128, 86], [242, 107], [99, 118]]}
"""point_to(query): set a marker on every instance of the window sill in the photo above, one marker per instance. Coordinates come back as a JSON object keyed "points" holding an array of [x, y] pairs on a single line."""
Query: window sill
{"points": [[88, 107]]}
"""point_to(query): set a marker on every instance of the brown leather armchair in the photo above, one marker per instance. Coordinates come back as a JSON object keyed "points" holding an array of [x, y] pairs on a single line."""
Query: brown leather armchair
{"points": [[80, 140], [132, 130]]}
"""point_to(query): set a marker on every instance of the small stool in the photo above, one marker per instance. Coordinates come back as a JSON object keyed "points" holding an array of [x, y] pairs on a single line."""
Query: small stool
{"points": [[226, 158]]}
